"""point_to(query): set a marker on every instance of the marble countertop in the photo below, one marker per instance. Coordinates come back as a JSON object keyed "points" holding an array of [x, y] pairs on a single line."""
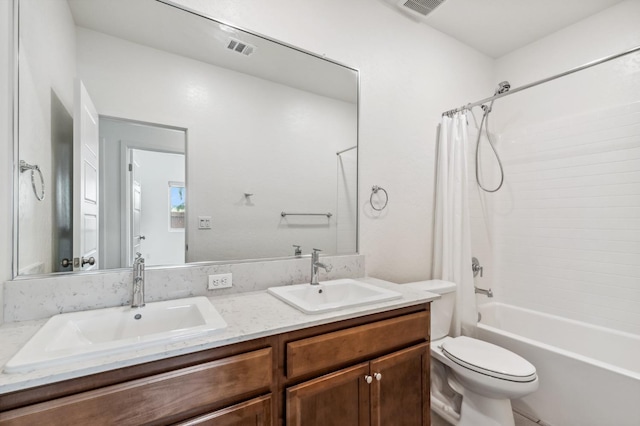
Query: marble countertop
{"points": [[248, 315]]}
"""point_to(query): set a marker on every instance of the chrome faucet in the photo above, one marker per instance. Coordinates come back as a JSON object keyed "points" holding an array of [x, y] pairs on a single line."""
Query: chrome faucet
{"points": [[487, 293], [315, 264], [138, 282]]}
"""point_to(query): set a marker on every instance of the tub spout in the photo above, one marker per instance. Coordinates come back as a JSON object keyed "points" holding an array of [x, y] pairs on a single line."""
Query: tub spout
{"points": [[487, 293]]}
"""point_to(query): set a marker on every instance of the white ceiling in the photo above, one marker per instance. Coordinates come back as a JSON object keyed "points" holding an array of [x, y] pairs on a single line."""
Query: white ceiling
{"points": [[497, 27]]}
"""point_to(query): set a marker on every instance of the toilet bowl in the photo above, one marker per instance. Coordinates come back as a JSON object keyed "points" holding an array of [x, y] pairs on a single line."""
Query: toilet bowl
{"points": [[472, 381]]}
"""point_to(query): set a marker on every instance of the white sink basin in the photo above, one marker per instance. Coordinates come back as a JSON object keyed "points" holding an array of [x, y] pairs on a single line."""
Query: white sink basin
{"points": [[332, 295], [75, 336]]}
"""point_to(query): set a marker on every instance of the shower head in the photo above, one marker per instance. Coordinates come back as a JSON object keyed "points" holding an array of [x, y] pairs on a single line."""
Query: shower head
{"points": [[503, 87]]}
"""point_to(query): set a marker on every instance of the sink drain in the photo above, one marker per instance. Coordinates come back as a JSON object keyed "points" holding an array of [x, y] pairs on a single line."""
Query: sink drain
{"points": [[138, 316]]}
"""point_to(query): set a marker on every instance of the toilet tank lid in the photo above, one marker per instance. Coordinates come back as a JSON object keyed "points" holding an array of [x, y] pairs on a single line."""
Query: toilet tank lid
{"points": [[433, 286]]}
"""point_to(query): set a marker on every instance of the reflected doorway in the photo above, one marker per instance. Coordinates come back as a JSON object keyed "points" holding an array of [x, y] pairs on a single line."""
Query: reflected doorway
{"points": [[143, 165]]}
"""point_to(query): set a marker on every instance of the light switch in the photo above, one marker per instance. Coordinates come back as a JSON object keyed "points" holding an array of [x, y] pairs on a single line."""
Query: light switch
{"points": [[204, 222]]}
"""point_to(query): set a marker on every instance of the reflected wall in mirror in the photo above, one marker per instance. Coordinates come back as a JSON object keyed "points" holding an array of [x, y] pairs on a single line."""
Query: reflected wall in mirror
{"points": [[163, 132]]}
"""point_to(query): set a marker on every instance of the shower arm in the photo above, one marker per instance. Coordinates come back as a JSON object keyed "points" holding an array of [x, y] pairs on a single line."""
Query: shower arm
{"points": [[544, 80]]}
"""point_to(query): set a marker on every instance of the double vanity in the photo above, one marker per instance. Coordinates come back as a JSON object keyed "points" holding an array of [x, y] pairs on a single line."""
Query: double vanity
{"points": [[359, 356]]}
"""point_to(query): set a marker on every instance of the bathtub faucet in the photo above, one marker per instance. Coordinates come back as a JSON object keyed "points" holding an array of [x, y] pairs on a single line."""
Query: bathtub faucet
{"points": [[487, 293]]}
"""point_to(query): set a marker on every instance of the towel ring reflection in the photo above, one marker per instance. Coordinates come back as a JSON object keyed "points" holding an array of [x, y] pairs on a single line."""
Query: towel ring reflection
{"points": [[374, 190], [24, 166]]}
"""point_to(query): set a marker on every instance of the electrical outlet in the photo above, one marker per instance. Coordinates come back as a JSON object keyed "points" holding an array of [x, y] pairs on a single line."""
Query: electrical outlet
{"points": [[220, 281]]}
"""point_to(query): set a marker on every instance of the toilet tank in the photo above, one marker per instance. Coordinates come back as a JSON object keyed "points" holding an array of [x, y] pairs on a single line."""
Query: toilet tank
{"points": [[441, 309]]}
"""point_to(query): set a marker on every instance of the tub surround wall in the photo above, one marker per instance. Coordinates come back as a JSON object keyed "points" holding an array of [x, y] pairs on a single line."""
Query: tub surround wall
{"points": [[562, 236], [37, 298]]}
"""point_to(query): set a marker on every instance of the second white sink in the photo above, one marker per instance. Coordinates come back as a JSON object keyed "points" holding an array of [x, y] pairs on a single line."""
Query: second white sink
{"points": [[75, 336], [332, 295]]}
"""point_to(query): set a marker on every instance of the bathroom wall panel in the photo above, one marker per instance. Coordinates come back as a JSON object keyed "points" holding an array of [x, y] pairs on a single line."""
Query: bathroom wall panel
{"points": [[597, 236], [565, 229]]}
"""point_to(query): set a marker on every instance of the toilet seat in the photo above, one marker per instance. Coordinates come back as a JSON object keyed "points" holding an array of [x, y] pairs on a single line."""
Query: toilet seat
{"points": [[488, 359]]}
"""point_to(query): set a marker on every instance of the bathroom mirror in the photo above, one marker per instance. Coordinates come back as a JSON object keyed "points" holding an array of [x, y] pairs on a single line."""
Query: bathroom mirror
{"points": [[145, 127]]}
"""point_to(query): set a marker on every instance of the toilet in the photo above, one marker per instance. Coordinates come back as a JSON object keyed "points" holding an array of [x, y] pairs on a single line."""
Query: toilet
{"points": [[472, 381]]}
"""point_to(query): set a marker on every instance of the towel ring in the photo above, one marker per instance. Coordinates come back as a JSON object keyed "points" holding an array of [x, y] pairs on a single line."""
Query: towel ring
{"points": [[24, 166], [374, 190]]}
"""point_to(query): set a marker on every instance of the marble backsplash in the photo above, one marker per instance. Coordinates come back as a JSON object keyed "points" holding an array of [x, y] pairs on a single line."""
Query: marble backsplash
{"points": [[42, 297]]}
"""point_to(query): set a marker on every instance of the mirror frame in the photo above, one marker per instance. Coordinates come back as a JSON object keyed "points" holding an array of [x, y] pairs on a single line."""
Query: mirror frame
{"points": [[14, 114]]}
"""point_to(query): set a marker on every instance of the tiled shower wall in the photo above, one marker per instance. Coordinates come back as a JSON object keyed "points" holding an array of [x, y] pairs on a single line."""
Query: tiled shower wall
{"points": [[566, 229], [563, 234]]}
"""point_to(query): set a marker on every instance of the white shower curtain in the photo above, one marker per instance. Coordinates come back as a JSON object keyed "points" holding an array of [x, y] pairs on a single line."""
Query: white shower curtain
{"points": [[452, 232]]}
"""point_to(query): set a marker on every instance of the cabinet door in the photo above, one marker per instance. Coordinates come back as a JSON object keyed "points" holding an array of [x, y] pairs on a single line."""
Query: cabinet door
{"points": [[255, 412], [336, 399], [400, 388]]}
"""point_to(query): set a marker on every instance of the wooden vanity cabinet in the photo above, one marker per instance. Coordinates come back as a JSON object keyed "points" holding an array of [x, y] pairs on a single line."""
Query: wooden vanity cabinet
{"points": [[233, 390], [255, 412], [371, 370], [387, 385]]}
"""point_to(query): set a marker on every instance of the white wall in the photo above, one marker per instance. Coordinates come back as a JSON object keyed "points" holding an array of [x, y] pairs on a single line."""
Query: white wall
{"points": [[410, 74], [347, 202], [47, 69], [6, 147], [232, 124], [565, 229]]}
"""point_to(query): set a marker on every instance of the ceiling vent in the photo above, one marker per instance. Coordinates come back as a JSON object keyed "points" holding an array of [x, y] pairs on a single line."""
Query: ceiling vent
{"points": [[240, 47], [420, 8]]}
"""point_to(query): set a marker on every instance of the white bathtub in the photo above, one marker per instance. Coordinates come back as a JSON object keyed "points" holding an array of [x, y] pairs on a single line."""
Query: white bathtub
{"points": [[589, 375]]}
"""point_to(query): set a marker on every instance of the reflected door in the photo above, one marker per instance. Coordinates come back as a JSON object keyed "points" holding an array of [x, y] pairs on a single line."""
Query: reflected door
{"points": [[85, 170], [136, 236]]}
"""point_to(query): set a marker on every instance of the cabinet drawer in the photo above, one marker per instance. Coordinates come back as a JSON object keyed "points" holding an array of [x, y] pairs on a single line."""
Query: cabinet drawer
{"points": [[170, 396], [334, 350], [255, 412]]}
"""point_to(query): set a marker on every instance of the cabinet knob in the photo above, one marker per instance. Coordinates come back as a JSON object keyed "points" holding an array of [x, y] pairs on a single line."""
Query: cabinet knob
{"points": [[378, 376], [368, 379]]}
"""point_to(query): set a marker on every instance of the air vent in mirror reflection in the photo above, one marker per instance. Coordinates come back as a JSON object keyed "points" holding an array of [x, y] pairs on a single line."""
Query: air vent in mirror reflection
{"points": [[240, 47]]}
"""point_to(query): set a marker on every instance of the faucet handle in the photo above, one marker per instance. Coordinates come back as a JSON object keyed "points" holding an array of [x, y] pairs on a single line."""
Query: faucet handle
{"points": [[317, 250]]}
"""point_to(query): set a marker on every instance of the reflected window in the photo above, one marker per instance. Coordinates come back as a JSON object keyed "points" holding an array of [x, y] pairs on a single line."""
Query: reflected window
{"points": [[176, 206]]}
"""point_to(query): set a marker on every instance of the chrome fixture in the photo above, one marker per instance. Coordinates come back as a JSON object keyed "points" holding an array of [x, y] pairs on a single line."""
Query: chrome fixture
{"points": [[468, 106], [475, 267], [138, 282], [374, 190], [24, 166], [487, 293], [503, 87], [297, 250], [285, 214], [345, 150], [315, 264]]}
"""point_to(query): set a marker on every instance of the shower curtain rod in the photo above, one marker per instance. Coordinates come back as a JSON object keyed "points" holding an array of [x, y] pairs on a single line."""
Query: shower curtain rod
{"points": [[345, 150], [544, 80]]}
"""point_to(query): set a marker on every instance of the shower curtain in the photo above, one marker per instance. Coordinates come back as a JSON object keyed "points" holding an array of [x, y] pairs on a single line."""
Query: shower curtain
{"points": [[452, 232]]}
